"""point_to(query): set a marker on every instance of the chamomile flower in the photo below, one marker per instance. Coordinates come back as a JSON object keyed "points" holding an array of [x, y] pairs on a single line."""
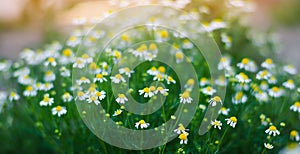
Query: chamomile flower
{"points": [[289, 84], [189, 84], [158, 77], [142, 124], [268, 64], [100, 77], [263, 75], [50, 61], [180, 129], [170, 80], [47, 100], [117, 112], [64, 72], [239, 97], [224, 63], [25, 80], [290, 69], [59, 110], [30, 91], [100, 94], [186, 44], [227, 40], [216, 124], [295, 107], [121, 99], [268, 146], [179, 57], [146, 92], [161, 90], [117, 78], [232, 121], [79, 63], [162, 35], [73, 41], [294, 135], [261, 96], [49, 76], [185, 97], [276, 92], [272, 80], [183, 138], [80, 96], [272, 130], [13, 96], [224, 111], [221, 81], [67, 97], [243, 78], [202, 107], [208, 90], [83, 80], [215, 100], [93, 99], [204, 82], [126, 71], [47, 86], [152, 71], [66, 57], [248, 65]]}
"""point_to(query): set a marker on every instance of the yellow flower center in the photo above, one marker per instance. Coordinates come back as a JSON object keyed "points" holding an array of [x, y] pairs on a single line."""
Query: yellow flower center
{"points": [[58, 108], [93, 66], [78, 61], [99, 76], [153, 68], [160, 88], [153, 46], [124, 37], [245, 61], [122, 96], [29, 88], [152, 88], [223, 60], [118, 76], [297, 104], [48, 73], [290, 81], [269, 61], [118, 112], [13, 94], [142, 122], [46, 99], [294, 133], [239, 96], [85, 56], [183, 136], [191, 82], [233, 119], [73, 38], [162, 69], [67, 52], [273, 128], [181, 127], [51, 60], [159, 76], [179, 55], [217, 99], [80, 93], [98, 94], [244, 76], [186, 94], [146, 90], [117, 54], [275, 89], [164, 34]]}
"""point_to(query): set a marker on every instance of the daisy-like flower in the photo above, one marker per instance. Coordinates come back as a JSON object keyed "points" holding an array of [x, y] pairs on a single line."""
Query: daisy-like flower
{"points": [[224, 111], [47, 86], [214, 25], [268, 146], [261, 96], [208, 91], [152, 71], [289, 84], [66, 57], [50, 61], [47, 101], [49, 76], [294, 135], [83, 80], [243, 78], [170, 80], [215, 100], [268, 64], [264, 85], [216, 124], [142, 124], [80, 96], [272, 130], [117, 112], [276, 92], [93, 99], [121, 99], [239, 97], [73, 41], [180, 129], [186, 44], [158, 77], [263, 75], [161, 90], [146, 91], [140, 51], [179, 57], [100, 77], [67, 97], [204, 82], [272, 80], [202, 107], [295, 107], [162, 35], [117, 78], [64, 72], [224, 63], [248, 65], [183, 138], [25, 80], [290, 69], [189, 84], [227, 40], [79, 63], [185, 97], [221, 81], [231, 121], [126, 71], [100, 94], [13, 96], [30, 91], [59, 110]]}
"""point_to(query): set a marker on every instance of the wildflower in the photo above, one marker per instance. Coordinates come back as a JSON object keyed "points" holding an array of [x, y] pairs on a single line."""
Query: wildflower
{"points": [[272, 80], [100, 78], [117, 112], [294, 135], [202, 107], [80, 96], [224, 111], [170, 80], [47, 86], [25, 80], [248, 65], [221, 81], [227, 40], [47, 100], [142, 124], [272, 130], [268, 146], [126, 71], [146, 91], [261, 96], [243, 78], [59, 110], [216, 124], [231, 121], [100, 94], [268, 64], [161, 90], [295, 107], [49, 76], [290, 69], [204, 82], [13, 96], [93, 99], [264, 85], [83, 80], [185, 97], [214, 25], [186, 44], [30, 91], [180, 129], [64, 72], [117, 78], [215, 100], [263, 75], [121, 99], [208, 91], [152, 71], [189, 84], [158, 77], [67, 97], [179, 56], [50, 61], [275, 92], [224, 63], [163, 35], [73, 41], [183, 137], [140, 51], [289, 84], [239, 97], [66, 57], [79, 63]]}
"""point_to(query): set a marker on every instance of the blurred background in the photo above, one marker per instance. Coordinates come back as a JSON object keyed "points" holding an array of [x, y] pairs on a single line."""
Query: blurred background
{"points": [[32, 23]]}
